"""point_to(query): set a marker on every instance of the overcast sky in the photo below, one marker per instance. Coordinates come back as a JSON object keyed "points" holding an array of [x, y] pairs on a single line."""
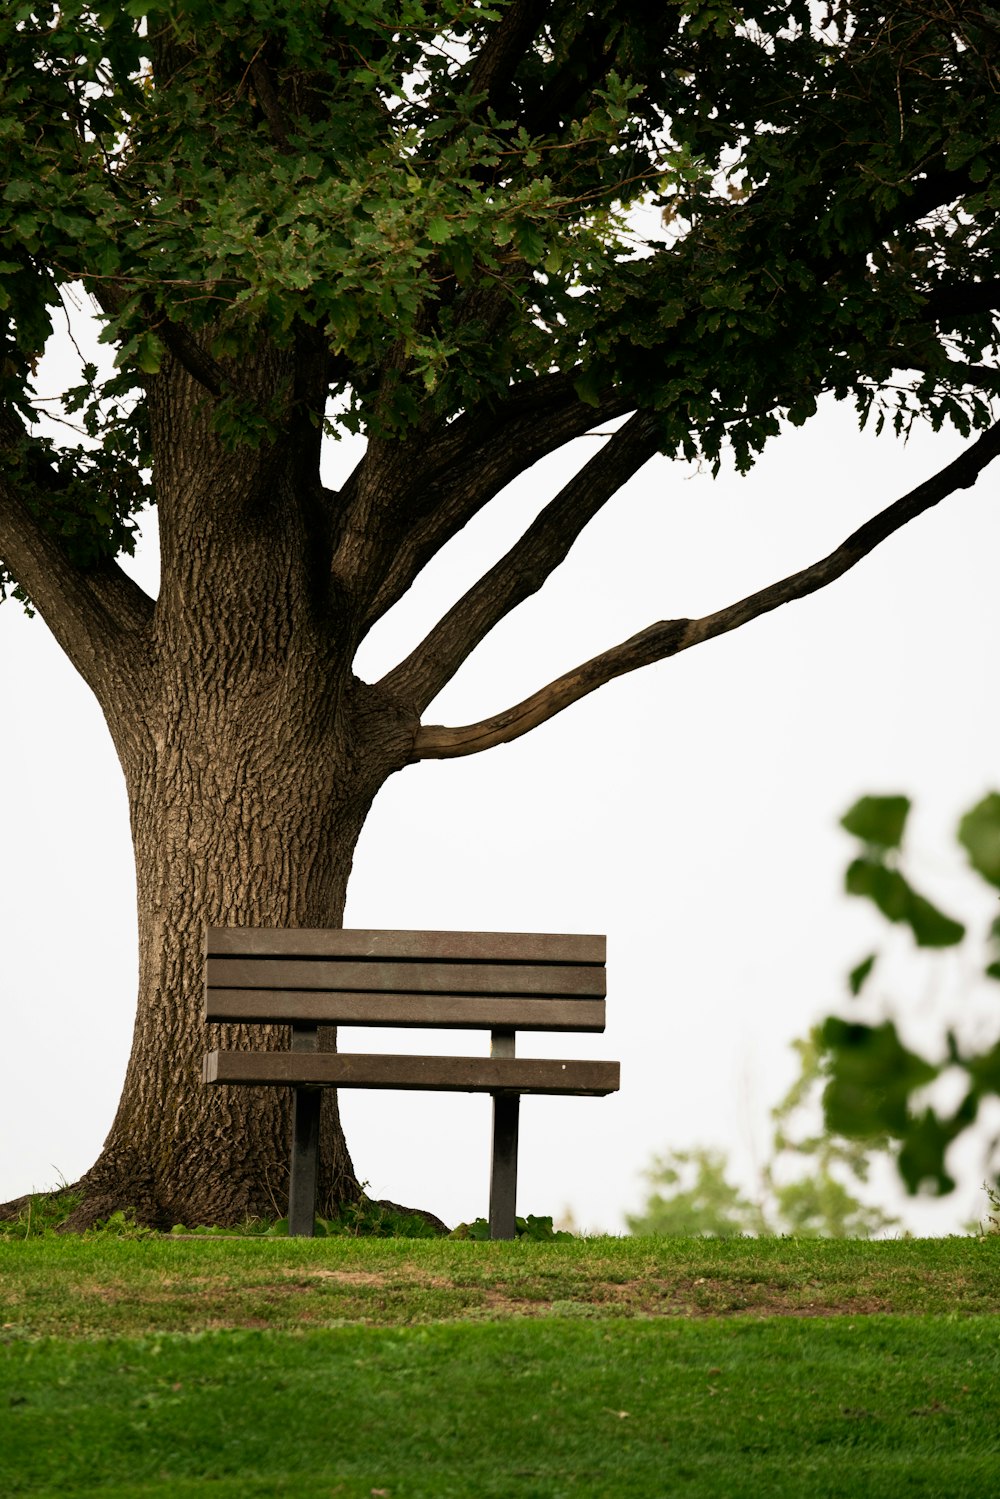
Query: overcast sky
{"points": [[689, 811]]}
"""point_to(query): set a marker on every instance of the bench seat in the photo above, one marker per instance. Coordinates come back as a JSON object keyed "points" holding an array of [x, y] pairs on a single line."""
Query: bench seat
{"points": [[446, 1074]]}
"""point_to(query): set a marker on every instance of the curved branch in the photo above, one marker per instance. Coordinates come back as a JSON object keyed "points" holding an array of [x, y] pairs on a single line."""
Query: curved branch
{"points": [[470, 462], [97, 615], [519, 574], [669, 637]]}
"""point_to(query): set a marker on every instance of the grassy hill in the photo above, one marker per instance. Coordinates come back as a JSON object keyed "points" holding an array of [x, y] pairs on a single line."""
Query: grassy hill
{"points": [[425, 1368]]}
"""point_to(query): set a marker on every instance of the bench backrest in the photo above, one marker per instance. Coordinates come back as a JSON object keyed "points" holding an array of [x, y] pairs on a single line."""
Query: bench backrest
{"points": [[481, 980]]}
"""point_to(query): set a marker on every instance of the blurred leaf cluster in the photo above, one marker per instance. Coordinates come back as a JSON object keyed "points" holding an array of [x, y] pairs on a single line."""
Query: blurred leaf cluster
{"points": [[876, 1081]]}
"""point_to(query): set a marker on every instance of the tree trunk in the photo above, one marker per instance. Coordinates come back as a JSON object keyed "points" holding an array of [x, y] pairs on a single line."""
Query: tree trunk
{"points": [[243, 813], [251, 756]]}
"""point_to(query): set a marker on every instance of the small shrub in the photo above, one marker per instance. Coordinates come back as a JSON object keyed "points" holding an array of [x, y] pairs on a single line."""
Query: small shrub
{"points": [[363, 1219], [122, 1224], [531, 1227], [42, 1213]]}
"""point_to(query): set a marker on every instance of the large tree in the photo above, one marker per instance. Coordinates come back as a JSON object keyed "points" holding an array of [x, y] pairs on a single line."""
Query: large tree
{"points": [[473, 234]]}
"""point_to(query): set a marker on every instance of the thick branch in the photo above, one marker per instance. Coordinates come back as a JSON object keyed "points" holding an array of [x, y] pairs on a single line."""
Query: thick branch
{"points": [[267, 98], [97, 614], [185, 348], [669, 637], [957, 299], [524, 569], [496, 61], [473, 459], [198, 362]]}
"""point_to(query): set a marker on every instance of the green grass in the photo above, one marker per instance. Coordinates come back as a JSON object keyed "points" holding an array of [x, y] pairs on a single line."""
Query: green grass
{"points": [[617, 1408], [426, 1369], [81, 1287]]}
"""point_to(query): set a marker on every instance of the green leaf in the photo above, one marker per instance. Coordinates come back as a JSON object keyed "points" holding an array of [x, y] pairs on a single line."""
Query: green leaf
{"points": [[979, 835], [898, 901], [857, 976], [931, 927], [530, 243], [588, 386], [984, 1070], [438, 230], [872, 1075], [922, 1158], [20, 191], [150, 354], [879, 820], [886, 888]]}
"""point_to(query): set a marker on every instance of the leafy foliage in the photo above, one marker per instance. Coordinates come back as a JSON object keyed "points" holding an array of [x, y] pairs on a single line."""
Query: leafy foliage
{"points": [[364, 1219], [41, 1213], [720, 211], [693, 1198], [880, 822], [875, 1080], [538, 1229], [991, 1223], [693, 1195]]}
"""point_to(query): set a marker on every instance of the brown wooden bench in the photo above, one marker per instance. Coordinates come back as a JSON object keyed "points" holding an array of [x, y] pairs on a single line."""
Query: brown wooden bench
{"points": [[502, 982]]}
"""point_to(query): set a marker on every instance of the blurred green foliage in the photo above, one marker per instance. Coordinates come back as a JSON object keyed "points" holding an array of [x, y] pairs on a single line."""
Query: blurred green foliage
{"points": [[875, 1080], [806, 1186]]}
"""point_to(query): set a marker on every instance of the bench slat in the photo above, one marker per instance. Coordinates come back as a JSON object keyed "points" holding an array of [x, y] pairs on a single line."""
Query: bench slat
{"points": [[384, 977], [493, 947], [474, 1012], [448, 1074]]}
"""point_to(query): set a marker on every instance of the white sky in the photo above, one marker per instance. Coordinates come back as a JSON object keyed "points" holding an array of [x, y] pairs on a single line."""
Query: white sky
{"points": [[689, 811]]}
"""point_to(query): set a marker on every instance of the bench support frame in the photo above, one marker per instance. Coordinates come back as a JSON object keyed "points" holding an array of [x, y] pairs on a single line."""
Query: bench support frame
{"points": [[503, 1149], [305, 1144], [305, 1147]]}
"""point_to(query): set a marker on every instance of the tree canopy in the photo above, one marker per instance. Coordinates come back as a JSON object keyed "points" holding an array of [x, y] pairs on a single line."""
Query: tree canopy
{"points": [[496, 226]]}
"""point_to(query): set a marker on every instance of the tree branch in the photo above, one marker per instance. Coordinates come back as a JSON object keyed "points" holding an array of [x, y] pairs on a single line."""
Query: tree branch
{"points": [[471, 461], [198, 362], [957, 299], [532, 559], [267, 98], [669, 637], [92, 614], [97, 615], [494, 64]]}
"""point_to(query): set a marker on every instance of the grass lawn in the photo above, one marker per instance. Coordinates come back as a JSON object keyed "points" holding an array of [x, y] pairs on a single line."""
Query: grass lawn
{"points": [[428, 1368]]}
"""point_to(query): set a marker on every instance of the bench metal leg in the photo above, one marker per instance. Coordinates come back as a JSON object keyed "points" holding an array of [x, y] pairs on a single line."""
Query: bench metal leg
{"points": [[305, 1144], [305, 1158], [503, 1167], [503, 1175]]}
